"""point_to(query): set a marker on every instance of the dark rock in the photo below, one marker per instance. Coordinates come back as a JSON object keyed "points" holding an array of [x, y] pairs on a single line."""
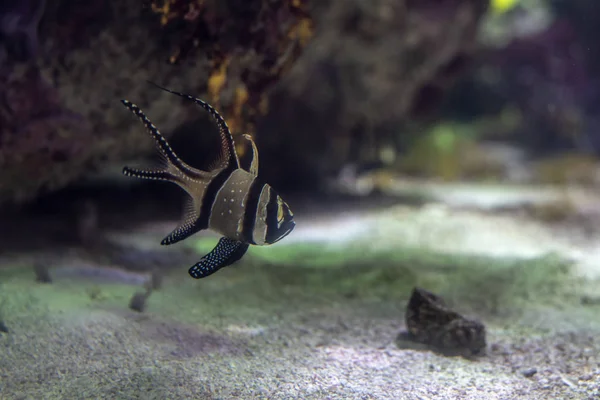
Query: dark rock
{"points": [[431, 322], [42, 272], [155, 281], [138, 301], [589, 300], [529, 372]]}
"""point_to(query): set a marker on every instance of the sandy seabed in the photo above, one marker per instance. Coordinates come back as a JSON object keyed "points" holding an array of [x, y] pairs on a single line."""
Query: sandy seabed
{"points": [[312, 318]]}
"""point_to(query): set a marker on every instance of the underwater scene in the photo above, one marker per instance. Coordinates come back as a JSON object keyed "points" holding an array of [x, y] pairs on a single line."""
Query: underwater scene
{"points": [[299, 199]]}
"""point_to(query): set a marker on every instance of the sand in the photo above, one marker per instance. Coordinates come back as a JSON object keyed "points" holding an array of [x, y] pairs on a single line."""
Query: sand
{"points": [[315, 318]]}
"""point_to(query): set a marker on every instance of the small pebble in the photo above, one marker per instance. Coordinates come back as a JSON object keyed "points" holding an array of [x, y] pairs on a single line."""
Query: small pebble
{"points": [[156, 280], [42, 272], [529, 372], [590, 301], [434, 368], [138, 301], [587, 377], [148, 370]]}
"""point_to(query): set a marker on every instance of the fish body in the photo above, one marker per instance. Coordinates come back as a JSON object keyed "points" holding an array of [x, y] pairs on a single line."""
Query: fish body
{"points": [[226, 199]]}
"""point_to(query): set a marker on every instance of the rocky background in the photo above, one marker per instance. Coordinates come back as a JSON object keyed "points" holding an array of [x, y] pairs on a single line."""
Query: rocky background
{"points": [[65, 65], [321, 84]]}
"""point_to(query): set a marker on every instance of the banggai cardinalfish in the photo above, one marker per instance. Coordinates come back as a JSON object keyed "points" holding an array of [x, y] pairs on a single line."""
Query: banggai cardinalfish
{"points": [[227, 199]]}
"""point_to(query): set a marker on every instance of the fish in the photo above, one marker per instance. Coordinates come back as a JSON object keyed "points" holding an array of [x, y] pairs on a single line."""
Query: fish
{"points": [[225, 198]]}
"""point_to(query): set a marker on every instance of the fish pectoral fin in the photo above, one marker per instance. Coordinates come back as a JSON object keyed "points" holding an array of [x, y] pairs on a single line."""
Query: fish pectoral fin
{"points": [[254, 156], [225, 253]]}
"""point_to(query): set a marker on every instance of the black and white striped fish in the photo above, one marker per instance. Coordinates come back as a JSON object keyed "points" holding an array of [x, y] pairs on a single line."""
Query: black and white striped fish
{"points": [[226, 199]]}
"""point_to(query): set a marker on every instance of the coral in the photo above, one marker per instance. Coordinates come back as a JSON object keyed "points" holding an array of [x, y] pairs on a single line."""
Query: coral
{"points": [[545, 74], [69, 24], [450, 152], [544, 66], [568, 169], [19, 20], [352, 74], [60, 118], [251, 46], [370, 68], [36, 132], [350, 71]]}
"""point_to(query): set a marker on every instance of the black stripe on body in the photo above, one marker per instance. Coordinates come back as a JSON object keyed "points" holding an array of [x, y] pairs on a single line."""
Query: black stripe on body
{"points": [[210, 195], [272, 208], [251, 209]]}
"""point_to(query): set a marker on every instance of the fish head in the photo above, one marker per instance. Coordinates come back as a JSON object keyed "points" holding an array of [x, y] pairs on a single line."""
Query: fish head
{"points": [[280, 219]]}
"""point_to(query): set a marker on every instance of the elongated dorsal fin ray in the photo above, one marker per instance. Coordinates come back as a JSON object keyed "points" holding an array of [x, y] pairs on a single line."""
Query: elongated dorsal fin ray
{"points": [[228, 153], [188, 225], [254, 156], [167, 154], [153, 174], [225, 253]]}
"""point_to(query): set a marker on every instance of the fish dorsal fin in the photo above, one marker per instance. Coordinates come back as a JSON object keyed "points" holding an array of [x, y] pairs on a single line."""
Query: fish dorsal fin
{"points": [[253, 157], [228, 155]]}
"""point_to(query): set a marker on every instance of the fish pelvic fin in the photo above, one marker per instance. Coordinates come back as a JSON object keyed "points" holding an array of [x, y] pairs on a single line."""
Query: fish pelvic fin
{"points": [[227, 156], [225, 253]]}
